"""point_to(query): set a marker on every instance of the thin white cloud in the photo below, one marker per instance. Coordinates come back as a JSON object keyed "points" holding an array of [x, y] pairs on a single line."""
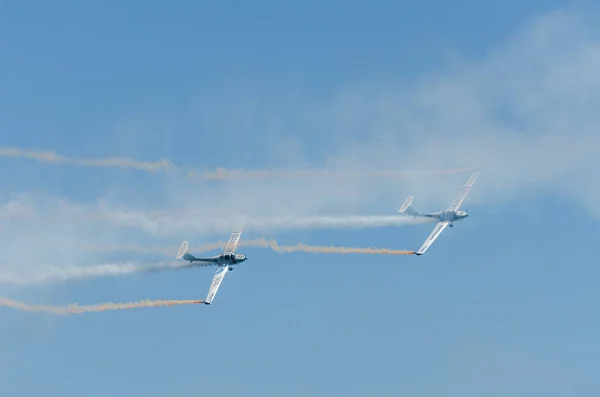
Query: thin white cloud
{"points": [[526, 115]]}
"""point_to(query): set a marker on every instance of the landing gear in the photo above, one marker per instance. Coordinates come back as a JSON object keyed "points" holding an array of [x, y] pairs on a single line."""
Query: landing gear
{"points": [[451, 225], [230, 269]]}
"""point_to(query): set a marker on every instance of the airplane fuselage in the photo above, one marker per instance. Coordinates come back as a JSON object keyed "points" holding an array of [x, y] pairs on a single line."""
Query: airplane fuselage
{"points": [[229, 259], [450, 216], [223, 259]]}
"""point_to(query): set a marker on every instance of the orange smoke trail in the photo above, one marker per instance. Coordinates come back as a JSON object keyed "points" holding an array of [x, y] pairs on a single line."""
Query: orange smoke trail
{"points": [[218, 174], [76, 309], [260, 243], [52, 157]]}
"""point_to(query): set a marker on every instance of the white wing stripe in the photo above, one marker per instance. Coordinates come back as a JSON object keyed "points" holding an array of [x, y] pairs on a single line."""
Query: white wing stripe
{"points": [[216, 282], [233, 242], [464, 192], [439, 228]]}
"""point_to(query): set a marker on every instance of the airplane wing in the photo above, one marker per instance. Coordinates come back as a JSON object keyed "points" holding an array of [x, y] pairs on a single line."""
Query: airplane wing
{"points": [[439, 228], [216, 282], [463, 193], [234, 239]]}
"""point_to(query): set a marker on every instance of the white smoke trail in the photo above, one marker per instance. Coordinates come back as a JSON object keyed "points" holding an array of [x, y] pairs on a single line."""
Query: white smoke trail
{"points": [[168, 225], [343, 221], [55, 274], [161, 226], [169, 222]]}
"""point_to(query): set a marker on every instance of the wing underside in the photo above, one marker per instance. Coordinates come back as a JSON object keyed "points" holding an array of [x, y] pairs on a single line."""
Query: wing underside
{"points": [[216, 282], [234, 239], [463, 193], [222, 269], [439, 228]]}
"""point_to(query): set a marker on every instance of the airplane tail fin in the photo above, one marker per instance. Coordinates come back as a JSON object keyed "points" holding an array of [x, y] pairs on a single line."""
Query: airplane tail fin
{"points": [[407, 208], [183, 252]]}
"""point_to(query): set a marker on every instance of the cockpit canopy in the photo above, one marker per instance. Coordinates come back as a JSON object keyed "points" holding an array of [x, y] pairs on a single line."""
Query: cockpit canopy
{"points": [[233, 257]]}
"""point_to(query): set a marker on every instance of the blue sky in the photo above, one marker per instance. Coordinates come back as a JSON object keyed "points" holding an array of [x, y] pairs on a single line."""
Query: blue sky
{"points": [[502, 304]]}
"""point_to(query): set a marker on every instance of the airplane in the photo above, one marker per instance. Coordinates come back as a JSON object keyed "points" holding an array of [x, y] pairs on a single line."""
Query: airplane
{"points": [[444, 218], [224, 262]]}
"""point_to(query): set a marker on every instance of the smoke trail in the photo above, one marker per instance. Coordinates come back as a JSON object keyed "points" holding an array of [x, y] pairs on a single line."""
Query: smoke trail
{"points": [[222, 173], [52, 274], [76, 309], [166, 225], [257, 243], [218, 174], [52, 157], [163, 223], [323, 249], [342, 221]]}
